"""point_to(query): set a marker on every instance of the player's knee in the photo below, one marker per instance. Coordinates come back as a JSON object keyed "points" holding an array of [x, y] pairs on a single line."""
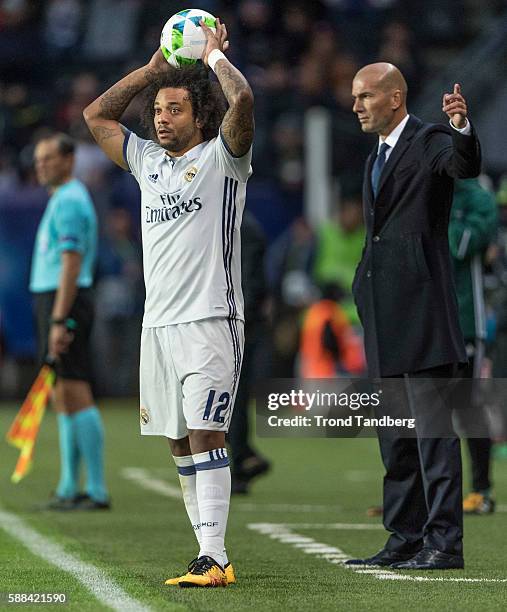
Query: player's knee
{"points": [[202, 440], [180, 448]]}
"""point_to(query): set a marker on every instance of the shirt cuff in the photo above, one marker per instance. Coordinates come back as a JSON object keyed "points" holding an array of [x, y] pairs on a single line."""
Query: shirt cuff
{"points": [[466, 131]]}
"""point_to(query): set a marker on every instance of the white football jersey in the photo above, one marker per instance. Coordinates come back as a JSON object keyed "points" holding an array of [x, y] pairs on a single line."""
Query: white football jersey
{"points": [[191, 211]]}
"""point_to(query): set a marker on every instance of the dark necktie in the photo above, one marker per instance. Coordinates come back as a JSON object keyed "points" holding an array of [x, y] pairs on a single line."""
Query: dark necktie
{"points": [[378, 166]]}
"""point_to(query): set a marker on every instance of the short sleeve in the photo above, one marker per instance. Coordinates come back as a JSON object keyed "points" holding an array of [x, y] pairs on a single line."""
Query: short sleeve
{"points": [[134, 149], [71, 227], [237, 167]]}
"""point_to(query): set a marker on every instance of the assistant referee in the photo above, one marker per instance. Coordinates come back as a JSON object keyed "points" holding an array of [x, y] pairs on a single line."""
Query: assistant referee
{"points": [[61, 276]]}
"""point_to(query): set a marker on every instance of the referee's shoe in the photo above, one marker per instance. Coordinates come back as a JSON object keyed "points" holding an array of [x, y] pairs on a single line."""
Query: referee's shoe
{"points": [[82, 501]]}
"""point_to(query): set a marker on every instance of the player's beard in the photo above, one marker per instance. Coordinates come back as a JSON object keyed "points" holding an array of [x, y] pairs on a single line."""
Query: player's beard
{"points": [[180, 140]]}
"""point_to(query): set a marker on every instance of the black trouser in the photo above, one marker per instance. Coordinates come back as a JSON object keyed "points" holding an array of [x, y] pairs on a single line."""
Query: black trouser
{"points": [[480, 458], [479, 448], [423, 480]]}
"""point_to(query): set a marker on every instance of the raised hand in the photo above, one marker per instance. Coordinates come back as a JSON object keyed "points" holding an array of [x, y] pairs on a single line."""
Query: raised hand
{"points": [[158, 63], [214, 40], [455, 107]]}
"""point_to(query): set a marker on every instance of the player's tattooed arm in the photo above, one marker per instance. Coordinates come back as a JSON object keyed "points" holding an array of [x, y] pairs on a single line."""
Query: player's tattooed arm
{"points": [[103, 114], [114, 101], [101, 133], [238, 124]]}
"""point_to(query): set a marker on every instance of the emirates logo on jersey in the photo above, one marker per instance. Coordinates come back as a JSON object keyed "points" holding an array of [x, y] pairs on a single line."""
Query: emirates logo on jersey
{"points": [[170, 213]]}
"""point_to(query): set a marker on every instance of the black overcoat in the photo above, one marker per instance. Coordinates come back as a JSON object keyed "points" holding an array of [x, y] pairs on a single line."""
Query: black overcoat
{"points": [[403, 286]]}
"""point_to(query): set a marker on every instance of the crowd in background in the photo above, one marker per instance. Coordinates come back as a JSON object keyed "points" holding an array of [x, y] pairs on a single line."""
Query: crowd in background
{"points": [[58, 55]]}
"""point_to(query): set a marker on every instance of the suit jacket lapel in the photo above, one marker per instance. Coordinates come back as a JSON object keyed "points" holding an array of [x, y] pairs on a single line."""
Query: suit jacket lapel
{"points": [[400, 148]]}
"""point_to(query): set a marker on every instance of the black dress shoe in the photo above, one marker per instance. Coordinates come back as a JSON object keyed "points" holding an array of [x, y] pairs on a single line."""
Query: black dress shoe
{"points": [[431, 559], [239, 486], [253, 466], [382, 558]]}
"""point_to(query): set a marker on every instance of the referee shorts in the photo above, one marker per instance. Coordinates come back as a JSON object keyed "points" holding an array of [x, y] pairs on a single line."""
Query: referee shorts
{"points": [[76, 363]]}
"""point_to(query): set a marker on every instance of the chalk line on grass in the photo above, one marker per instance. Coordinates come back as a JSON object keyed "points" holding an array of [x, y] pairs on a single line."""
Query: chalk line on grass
{"points": [[92, 578], [144, 478], [284, 531], [285, 534]]}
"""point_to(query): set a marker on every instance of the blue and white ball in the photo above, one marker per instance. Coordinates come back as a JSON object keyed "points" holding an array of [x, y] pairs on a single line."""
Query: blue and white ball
{"points": [[182, 40]]}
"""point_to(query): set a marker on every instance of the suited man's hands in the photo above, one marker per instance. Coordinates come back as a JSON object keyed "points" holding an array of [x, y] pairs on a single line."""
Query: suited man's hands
{"points": [[455, 107]]}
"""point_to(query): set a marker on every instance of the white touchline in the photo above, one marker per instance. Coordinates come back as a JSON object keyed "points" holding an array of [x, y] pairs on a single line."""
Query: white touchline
{"points": [[295, 508], [144, 478], [358, 526], [285, 534], [102, 587]]}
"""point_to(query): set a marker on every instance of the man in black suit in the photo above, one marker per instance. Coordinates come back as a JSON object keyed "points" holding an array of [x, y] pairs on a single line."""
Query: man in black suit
{"points": [[406, 301]]}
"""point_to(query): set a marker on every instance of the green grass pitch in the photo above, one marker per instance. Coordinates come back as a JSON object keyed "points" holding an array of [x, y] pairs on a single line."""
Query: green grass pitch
{"points": [[146, 538]]}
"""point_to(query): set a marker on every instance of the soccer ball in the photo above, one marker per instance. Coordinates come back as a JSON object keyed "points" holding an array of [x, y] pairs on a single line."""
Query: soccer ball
{"points": [[182, 40]]}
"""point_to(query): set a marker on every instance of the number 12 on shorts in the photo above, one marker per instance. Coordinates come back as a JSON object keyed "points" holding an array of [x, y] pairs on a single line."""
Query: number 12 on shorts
{"points": [[223, 404]]}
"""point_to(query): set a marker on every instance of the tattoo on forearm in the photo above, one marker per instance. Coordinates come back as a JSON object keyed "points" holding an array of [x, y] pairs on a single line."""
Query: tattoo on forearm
{"points": [[102, 133], [238, 124], [231, 80], [114, 102]]}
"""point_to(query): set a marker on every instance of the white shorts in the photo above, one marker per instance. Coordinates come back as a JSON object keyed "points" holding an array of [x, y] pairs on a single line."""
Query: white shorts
{"points": [[189, 375]]}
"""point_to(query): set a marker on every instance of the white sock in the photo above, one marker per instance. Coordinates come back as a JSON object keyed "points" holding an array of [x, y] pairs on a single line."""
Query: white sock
{"points": [[187, 476], [213, 484]]}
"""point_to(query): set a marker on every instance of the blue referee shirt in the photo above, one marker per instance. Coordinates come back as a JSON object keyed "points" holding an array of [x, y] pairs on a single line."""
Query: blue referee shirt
{"points": [[69, 223]]}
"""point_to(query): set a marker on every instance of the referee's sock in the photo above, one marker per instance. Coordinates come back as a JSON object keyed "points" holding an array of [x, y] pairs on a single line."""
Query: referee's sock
{"points": [[213, 486], [90, 440], [69, 457]]}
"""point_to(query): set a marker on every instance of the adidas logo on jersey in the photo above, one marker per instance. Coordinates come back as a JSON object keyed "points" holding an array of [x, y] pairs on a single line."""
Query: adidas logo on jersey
{"points": [[153, 177]]}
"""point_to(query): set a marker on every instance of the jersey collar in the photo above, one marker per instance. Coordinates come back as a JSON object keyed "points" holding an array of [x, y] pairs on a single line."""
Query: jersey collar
{"points": [[190, 155]]}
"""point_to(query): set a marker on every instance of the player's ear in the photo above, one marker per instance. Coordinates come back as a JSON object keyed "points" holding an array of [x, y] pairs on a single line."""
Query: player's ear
{"points": [[198, 123]]}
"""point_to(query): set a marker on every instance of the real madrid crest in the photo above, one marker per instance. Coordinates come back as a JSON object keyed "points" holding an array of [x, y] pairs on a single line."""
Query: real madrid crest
{"points": [[145, 416], [189, 174]]}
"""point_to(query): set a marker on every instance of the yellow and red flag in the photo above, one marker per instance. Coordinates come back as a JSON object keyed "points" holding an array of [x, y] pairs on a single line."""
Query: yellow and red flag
{"points": [[25, 427]]}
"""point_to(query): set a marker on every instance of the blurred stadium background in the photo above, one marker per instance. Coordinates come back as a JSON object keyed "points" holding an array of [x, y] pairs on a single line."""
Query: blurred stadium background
{"points": [[300, 57], [58, 55]]}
